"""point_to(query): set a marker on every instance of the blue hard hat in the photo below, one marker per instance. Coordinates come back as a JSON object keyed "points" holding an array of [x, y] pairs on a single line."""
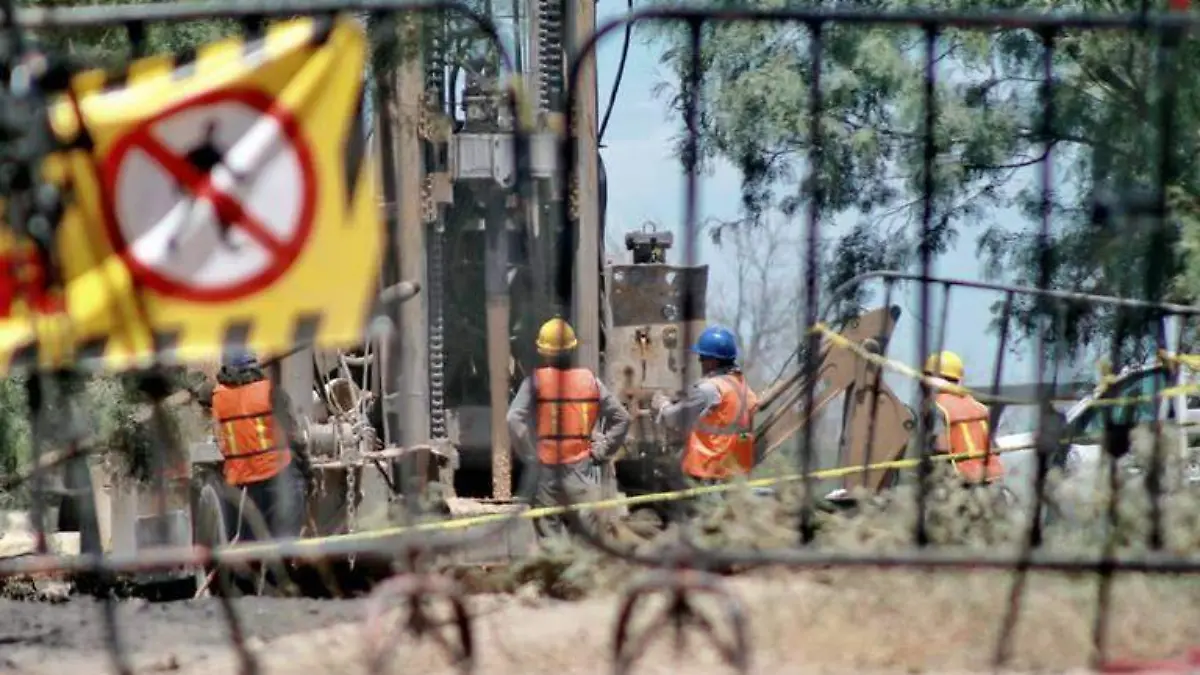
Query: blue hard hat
{"points": [[239, 359], [717, 342]]}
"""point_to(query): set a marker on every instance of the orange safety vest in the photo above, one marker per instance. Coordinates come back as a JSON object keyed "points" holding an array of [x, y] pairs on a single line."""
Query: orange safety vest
{"points": [[722, 443], [248, 434], [568, 405], [967, 430]]}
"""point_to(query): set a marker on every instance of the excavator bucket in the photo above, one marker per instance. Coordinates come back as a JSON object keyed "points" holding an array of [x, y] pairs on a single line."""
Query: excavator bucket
{"points": [[874, 428]]}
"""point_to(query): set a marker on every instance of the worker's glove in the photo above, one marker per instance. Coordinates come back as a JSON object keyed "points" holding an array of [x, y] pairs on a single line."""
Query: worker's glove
{"points": [[599, 451], [658, 401]]}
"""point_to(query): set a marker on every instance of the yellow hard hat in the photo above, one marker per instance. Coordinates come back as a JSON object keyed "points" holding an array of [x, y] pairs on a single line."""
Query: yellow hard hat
{"points": [[945, 364], [555, 337]]}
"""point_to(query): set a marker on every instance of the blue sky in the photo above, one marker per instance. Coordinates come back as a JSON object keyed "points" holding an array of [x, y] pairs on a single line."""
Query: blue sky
{"points": [[647, 183]]}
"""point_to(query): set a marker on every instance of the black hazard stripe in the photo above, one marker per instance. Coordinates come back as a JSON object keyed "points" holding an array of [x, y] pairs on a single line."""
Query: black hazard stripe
{"points": [[182, 65], [306, 329], [253, 42], [253, 39], [93, 354], [355, 151]]}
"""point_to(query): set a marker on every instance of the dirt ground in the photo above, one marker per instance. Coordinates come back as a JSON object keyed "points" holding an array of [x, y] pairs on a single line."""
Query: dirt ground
{"points": [[818, 622], [43, 637], [844, 621]]}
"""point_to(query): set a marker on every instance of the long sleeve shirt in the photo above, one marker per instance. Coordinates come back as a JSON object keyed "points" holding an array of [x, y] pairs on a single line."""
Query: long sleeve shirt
{"points": [[522, 423], [701, 397], [681, 416]]}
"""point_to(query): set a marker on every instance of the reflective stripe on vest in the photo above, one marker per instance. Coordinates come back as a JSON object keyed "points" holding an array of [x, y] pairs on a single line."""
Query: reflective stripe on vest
{"points": [[248, 435], [967, 431], [721, 443], [567, 406]]}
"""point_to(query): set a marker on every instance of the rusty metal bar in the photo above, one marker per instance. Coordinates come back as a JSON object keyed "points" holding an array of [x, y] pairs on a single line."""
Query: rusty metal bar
{"points": [[241, 554], [87, 16]]}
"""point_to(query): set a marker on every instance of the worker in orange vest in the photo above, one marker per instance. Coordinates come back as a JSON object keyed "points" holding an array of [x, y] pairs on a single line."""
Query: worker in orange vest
{"points": [[961, 423], [264, 452], [718, 413], [553, 420]]}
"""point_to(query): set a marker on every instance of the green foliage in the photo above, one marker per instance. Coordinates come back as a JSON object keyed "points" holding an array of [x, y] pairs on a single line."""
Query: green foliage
{"points": [[14, 432], [1112, 91], [114, 416], [111, 47], [123, 426]]}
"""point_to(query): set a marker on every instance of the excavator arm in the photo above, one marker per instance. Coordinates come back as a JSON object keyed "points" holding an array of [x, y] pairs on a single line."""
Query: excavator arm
{"points": [[839, 371]]}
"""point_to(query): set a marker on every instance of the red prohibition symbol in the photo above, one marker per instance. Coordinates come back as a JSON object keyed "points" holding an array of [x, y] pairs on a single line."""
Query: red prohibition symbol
{"points": [[211, 199]]}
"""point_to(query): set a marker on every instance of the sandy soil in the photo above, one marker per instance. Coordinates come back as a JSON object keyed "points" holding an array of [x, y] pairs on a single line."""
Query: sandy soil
{"points": [[799, 622]]}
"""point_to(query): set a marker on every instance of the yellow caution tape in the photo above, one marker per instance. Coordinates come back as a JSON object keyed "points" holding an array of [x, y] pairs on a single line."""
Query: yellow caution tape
{"points": [[605, 504], [1190, 361]]}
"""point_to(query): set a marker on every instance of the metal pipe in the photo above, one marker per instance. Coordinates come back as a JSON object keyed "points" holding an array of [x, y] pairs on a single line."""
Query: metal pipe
{"points": [[400, 292], [110, 15], [410, 380], [587, 252], [499, 349]]}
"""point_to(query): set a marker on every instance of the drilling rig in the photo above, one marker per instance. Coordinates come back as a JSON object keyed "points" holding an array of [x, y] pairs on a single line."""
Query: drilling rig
{"points": [[487, 258], [634, 320], [426, 399], [475, 261]]}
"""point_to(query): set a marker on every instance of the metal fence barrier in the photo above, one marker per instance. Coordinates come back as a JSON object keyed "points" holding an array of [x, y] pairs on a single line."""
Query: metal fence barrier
{"points": [[687, 570], [1135, 319]]}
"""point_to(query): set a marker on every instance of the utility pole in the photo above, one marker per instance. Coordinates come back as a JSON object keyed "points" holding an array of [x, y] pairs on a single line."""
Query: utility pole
{"points": [[498, 348], [587, 311], [406, 376], [587, 252], [414, 356]]}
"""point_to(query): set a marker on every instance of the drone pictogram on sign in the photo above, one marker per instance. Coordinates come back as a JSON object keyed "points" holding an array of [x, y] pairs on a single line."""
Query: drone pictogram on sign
{"points": [[213, 199]]}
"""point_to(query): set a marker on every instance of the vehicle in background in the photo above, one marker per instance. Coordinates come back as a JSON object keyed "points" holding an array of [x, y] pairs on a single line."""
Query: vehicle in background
{"points": [[1083, 424]]}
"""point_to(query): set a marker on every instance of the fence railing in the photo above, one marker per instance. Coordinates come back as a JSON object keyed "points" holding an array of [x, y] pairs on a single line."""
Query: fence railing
{"points": [[66, 479]]}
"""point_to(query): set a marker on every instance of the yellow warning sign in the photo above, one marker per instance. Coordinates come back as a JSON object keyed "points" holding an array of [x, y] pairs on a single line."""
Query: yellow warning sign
{"points": [[223, 201]]}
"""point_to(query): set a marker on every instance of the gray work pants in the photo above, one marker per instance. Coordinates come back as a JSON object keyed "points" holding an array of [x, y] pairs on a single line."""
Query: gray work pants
{"points": [[280, 500], [580, 483]]}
